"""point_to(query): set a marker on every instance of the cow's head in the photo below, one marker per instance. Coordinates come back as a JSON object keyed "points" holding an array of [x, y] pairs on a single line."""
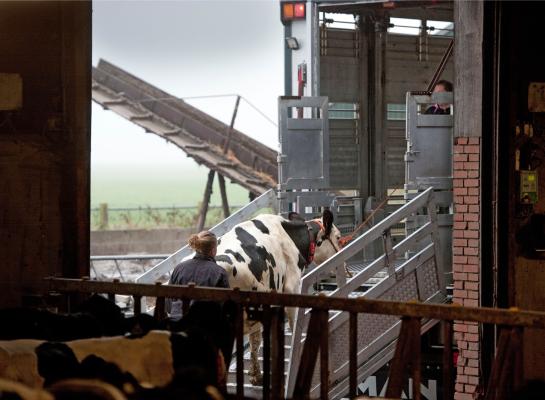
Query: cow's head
{"points": [[327, 238]]}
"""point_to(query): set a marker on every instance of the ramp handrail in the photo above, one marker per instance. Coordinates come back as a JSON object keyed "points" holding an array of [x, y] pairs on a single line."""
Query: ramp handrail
{"points": [[423, 200], [266, 200]]}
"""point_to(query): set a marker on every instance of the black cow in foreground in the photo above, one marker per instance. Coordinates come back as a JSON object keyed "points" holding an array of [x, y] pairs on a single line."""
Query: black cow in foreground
{"points": [[270, 253]]}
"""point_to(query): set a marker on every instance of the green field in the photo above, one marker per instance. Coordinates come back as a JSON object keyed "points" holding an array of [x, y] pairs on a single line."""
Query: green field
{"points": [[157, 186], [143, 189]]}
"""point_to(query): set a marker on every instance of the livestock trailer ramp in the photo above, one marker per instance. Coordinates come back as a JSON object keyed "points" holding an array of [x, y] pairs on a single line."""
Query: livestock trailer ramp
{"points": [[411, 270]]}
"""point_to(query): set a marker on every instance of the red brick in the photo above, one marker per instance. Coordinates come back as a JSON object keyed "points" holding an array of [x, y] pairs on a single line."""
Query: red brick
{"points": [[470, 388], [471, 269], [474, 208], [472, 277], [462, 345], [474, 226], [471, 251], [473, 295], [473, 174], [458, 199], [458, 336], [460, 225], [457, 234], [461, 140], [471, 182], [471, 217], [472, 260], [471, 165], [473, 157], [472, 337], [472, 380], [473, 328], [462, 396], [474, 191], [459, 260], [458, 251], [462, 379], [458, 267], [458, 285], [458, 148], [470, 354], [460, 174], [473, 346], [460, 191], [471, 371], [457, 157], [458, 217], [473, 140], [460, 328], [461, 208], [471, 234], [459, 276], [471, 285], [472, 149], [459, 294], [472, 243], [460, 242], [471, 199], [471, 303], [459, 387]]}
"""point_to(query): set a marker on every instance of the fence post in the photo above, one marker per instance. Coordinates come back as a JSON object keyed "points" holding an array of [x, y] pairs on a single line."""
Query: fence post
{"points": [[103, 216]]}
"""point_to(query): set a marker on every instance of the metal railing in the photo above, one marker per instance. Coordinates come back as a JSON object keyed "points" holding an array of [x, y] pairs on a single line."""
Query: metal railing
{"points": [[269, 308], [416, 255], [117, 258]]}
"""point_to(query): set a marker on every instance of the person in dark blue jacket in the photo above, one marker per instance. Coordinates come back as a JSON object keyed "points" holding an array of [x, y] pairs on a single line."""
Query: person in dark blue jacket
{"points": [[201, 270]]}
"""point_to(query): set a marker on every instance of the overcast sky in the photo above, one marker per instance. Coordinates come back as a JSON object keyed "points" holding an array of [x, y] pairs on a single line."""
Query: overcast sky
{"points": [[188, 48]]}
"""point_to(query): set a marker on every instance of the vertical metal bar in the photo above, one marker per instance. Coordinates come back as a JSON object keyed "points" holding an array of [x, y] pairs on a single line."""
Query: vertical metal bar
{"points": [[160, 306], [223, 193], [277, 328], [308, 358], [353, 354], [240, 351], [119, 271], [324, 355], [448, 382], [397, 366], [137, 306], [497, 365], [266, 351], [205, 201]]}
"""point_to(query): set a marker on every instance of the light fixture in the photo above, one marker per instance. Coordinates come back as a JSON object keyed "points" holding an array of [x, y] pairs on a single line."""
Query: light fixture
{"points": [[291, 11], [292, 43]]}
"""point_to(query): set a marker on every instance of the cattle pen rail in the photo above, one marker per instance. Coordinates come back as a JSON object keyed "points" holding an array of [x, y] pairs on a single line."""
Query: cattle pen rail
{"points": [[269, 308]]}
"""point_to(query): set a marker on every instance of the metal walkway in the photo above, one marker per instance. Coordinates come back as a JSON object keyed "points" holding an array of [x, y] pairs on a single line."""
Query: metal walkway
{"points": [[247, 162]]}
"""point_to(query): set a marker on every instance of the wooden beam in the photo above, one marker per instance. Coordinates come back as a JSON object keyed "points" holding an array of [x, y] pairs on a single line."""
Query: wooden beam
{"points": [[223, 193], [205, 201], [277, 352]]}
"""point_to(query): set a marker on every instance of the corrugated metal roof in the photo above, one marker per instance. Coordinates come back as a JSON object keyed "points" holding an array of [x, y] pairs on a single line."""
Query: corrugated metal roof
{"points": [[202, 137]]}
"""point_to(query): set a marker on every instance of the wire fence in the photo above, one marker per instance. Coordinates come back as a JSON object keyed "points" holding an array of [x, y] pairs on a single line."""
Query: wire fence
{"points": [[147, 217]]}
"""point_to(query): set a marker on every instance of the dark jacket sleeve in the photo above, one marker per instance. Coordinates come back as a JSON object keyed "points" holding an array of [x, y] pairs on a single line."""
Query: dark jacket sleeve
{"points": [[223, 281]]}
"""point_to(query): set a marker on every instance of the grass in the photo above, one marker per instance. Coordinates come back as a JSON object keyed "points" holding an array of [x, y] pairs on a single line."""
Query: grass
{"points": [[159, 186]]}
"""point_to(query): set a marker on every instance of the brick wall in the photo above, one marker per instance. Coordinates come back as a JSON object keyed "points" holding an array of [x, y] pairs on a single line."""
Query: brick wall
{"points": [[465, 265]]}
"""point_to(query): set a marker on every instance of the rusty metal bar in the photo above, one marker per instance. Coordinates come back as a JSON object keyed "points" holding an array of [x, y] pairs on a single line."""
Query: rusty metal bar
{"points": [[239, 332], [533, 319], [501, 353], [266, 322], [448, 382], [396, 374], [277, 328], [415, 357], [223, 193], [353, 354], [308, 358], [324, 355], [441, 66], [227, 142]]}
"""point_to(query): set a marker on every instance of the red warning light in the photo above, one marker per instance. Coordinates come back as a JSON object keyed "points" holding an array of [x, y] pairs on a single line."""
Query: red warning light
{"points": [[292, 11]]}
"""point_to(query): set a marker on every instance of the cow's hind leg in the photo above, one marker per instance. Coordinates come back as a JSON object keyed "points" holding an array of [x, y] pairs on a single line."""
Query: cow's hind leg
{"points": [[256, 377]]}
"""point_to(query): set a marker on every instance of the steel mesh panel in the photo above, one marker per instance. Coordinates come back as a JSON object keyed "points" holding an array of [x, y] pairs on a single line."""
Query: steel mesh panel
{"points": [[427, 277]]}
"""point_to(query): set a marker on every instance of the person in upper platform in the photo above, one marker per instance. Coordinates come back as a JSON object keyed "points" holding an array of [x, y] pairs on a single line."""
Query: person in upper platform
{"points": [[441, 86]]}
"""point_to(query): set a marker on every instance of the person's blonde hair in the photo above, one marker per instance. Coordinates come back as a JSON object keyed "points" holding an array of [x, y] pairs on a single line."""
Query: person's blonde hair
{"points": [[203, 242]]}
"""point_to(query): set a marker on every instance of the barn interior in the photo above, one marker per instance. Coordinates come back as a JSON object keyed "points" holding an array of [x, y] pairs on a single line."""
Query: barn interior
{"points": [[45, 109]]}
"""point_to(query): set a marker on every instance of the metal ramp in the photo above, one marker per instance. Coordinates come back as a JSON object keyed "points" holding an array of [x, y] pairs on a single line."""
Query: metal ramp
{"points": [[247, 162]]}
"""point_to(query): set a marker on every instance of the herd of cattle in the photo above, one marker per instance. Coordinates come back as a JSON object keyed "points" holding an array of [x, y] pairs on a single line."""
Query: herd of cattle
{"points": [[142, 358]]}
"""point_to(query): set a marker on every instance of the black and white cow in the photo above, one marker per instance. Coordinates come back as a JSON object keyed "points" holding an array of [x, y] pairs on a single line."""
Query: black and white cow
{"points": [[270, 253]]}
